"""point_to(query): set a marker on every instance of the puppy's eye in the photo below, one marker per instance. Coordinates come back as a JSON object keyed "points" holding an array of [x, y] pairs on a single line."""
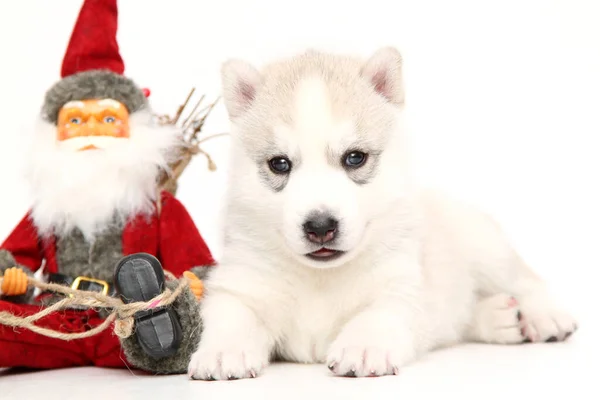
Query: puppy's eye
{"points": [[355, 159], [109, 120], [75, 121], [280, 165]]}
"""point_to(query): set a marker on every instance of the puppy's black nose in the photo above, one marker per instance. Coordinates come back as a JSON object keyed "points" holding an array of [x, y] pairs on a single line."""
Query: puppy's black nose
{"points": [[320, 227]]}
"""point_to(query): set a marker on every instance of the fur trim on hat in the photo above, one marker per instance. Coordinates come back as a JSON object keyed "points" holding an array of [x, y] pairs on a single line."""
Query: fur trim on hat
{"points": [[95, 84]]}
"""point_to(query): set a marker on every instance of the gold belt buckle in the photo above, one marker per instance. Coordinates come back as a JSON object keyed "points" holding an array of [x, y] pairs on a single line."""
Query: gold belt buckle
{"points": [[79, 279]]}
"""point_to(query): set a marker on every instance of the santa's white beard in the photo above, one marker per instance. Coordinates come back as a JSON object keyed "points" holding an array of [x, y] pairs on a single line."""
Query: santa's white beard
{"points": [[88, 189]]}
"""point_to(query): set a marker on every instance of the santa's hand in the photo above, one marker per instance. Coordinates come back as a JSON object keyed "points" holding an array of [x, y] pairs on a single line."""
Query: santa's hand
{"points": [[196, 285], [14, 282]]}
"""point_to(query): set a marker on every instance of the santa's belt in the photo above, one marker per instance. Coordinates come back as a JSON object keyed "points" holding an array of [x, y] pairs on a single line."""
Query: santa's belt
{"points": [[83, 283]]}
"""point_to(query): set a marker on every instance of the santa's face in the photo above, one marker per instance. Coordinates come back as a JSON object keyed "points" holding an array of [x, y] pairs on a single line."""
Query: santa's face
{"points": [[92, 124], [115, 175]]}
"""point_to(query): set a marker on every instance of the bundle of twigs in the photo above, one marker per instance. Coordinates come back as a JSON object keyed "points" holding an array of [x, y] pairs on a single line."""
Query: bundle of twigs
{"points": [[191, 130]]}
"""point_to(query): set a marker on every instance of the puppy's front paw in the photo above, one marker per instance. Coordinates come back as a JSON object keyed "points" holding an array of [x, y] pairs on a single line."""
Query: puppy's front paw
{"points": [[226, 363], [358, 357], [358, 361]]}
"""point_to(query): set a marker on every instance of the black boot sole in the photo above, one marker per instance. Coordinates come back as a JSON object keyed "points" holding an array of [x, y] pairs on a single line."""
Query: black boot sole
{"points": [[140, 277]]}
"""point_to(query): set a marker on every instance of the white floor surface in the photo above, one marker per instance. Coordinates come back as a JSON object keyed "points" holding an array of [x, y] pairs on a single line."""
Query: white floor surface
{"points": [[540, 371]]}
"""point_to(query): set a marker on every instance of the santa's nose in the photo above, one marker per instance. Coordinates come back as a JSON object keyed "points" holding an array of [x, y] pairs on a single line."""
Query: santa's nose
{"points": [[93, 127], [92, 122]]}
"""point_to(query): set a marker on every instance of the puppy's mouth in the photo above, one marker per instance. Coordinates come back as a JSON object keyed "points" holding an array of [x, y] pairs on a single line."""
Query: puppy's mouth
{"points": [[325, 254]]}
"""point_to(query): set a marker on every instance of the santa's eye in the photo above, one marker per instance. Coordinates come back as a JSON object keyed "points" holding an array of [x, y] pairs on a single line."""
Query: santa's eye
{"points": [[109, 120], [75, 121]]}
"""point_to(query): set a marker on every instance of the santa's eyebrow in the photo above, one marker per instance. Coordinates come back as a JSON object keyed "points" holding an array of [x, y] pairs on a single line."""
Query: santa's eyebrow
{"points": [[110, 103], [74, 104]]}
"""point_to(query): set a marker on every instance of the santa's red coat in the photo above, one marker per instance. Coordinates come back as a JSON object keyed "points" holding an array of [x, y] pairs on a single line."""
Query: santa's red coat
{"points": [[170, 235]]}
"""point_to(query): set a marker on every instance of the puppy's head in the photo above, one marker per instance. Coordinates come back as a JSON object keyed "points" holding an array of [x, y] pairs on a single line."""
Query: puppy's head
{"points": [[317, 152]]}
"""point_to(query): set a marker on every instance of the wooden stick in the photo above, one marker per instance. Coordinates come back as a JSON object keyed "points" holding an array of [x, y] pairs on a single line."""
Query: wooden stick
{"points": [[183, 106], [193, 111]]}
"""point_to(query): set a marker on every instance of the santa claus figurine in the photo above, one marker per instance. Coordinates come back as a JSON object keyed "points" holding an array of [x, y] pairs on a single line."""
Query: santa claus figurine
{"points": [[98, 222]]}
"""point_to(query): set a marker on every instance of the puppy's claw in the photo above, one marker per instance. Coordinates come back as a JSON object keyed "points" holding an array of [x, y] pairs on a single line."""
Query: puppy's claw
{"points": [[252, 373], [567, 335], [396, 371]]}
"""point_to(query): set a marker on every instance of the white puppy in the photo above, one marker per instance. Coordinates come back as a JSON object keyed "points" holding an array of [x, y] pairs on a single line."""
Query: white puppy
{"points": [[332, 253]]}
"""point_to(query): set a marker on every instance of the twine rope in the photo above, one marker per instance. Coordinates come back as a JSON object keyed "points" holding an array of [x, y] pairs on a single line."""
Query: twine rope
{"points": [[122, 313]]}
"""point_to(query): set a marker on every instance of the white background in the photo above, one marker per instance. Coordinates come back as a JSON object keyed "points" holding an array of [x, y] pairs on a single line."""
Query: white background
{"points": [[503, 104]]}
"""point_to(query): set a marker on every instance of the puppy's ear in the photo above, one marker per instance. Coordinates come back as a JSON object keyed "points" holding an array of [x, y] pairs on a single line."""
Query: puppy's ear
{"points": [[384, 71], [240, 81]]}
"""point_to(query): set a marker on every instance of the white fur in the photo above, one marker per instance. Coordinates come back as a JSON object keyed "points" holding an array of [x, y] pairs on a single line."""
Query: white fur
{"points": [[77, 143], [421, 270], [110, 102], [74, 104], [87, 189]]}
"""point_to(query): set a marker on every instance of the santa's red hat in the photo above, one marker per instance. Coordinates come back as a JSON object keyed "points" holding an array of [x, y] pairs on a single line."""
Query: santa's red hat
{"points": [[92, 66]]}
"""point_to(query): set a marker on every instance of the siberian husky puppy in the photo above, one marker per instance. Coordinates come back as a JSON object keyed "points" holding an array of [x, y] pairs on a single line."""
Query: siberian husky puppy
{"points": [[333, 253]]}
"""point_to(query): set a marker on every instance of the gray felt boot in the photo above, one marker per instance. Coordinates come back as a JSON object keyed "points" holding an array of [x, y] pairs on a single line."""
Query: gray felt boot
{"points": [[188, 310], [164, 339]]}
